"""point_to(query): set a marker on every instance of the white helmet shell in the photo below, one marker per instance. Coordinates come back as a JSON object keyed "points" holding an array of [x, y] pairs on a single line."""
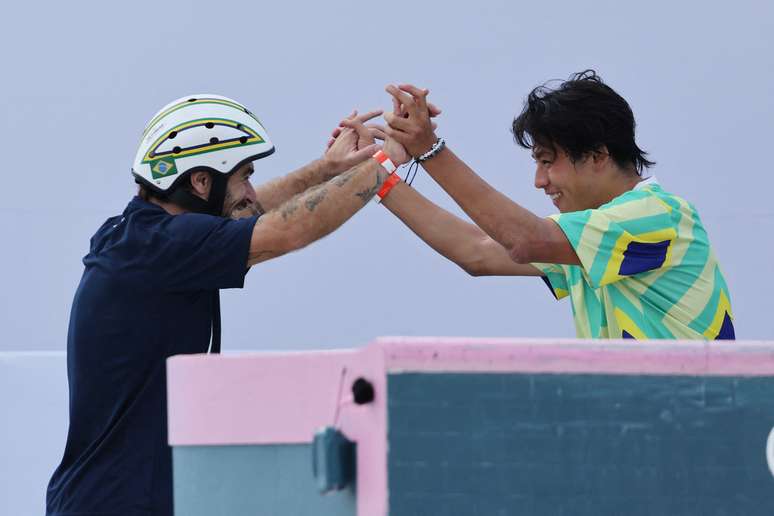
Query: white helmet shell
{"points": [[198, 132]]}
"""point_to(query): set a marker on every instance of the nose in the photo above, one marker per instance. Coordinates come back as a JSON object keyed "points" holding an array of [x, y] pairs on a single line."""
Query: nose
{"points": [[541, 177], [249, 191]]}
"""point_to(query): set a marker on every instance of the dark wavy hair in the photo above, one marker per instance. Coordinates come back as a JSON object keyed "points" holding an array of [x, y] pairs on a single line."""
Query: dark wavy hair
{"points": [[579, 116]]}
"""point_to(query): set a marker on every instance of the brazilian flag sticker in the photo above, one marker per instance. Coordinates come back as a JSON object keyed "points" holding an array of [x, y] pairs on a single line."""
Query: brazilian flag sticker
{"points": [[163, 168]]}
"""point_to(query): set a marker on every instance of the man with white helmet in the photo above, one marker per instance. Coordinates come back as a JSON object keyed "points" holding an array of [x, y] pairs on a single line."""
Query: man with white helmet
{"points": [[152, 276]]}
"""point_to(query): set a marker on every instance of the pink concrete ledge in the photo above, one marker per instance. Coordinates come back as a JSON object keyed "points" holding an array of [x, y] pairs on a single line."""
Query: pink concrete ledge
{"points": [[283, 398], [662, 357], [258, 398], [276, 398]]}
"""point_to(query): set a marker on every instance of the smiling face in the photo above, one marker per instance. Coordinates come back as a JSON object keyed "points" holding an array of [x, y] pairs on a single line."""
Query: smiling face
{"points": [[571, 186], [240, 195]]}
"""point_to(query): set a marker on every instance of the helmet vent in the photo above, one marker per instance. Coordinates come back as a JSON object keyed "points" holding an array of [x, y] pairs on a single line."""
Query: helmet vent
{"points": [[243, 139], [209, 125], [214, 140], [172, 134], [176, 150], [191, 100]]}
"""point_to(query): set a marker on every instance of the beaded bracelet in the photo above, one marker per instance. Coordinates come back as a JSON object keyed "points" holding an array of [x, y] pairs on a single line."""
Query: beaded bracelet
{"points": [[437, 147]]}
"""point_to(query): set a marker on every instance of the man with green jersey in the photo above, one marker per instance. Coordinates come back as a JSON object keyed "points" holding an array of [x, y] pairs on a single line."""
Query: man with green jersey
{"points": [[646, 270], [634, 259]]}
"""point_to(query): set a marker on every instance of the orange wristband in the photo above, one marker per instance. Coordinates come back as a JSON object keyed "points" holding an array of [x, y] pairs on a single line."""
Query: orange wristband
{"points": [[392, 180], [384, 160]]}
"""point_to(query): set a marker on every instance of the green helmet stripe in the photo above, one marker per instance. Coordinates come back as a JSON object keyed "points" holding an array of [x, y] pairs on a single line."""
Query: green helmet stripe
{"points": [[253, 139]]}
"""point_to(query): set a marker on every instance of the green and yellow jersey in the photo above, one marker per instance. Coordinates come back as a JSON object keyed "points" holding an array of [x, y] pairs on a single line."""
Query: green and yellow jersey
{"points": [[647, 270]]}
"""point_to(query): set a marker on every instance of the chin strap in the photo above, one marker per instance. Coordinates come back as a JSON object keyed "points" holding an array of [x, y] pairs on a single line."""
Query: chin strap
{"points": [[194, 203]]}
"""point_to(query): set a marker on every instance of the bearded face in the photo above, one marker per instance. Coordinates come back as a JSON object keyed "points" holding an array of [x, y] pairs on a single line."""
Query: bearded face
{"points": [[240, 199]]}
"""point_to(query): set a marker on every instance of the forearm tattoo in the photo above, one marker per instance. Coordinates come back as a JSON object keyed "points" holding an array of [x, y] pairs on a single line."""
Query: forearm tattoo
{"points": [[365, 195], [316, 197], [344, 178], [289, 208]]}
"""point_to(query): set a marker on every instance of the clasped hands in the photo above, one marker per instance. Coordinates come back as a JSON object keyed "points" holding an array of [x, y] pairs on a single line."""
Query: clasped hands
{"points": [[408, 132]]}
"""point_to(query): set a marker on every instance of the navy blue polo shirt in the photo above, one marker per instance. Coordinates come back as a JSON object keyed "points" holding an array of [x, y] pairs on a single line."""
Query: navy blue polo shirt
{"points": [[146, 294]]}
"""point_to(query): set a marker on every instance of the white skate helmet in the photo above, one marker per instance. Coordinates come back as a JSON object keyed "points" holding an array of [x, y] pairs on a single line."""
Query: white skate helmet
{"points": [[198, 132]]}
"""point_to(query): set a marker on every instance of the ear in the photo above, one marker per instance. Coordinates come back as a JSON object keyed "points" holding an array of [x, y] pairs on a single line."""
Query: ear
{"points": [[600, 156], [201, 184]]}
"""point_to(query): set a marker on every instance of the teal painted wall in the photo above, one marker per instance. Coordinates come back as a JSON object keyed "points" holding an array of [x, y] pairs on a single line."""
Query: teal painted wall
{"points": [[270, 480], [507, 444]]}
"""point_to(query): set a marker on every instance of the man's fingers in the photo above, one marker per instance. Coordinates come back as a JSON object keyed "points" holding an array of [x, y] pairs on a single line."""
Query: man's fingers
{"points": [[397, 122], [398, 136], [341, 133], [433, 109], [396, 107], [377, 131], [358, 127], [365, 153], [413, 90], [419, 94], [378, 127], [404, 99], [370, 115]]}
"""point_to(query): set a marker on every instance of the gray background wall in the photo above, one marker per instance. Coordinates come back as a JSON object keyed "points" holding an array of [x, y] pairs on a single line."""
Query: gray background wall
{"points": [[33, 427], [80, 80]]}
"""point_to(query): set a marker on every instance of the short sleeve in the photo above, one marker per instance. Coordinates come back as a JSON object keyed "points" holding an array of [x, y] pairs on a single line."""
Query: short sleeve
{"points": [[555, 278], [621, 239], [202, 252]]}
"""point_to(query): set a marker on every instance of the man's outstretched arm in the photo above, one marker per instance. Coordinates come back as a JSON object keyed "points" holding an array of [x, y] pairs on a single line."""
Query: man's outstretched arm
{"points": [[527, 237], [463, 243], [459, 241], [315, 213], [335, 161]]}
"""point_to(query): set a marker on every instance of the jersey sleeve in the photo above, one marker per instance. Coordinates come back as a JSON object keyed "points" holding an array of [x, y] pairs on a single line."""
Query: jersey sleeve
{"points": [[555, 278], [621, 239], [203, 252]]}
